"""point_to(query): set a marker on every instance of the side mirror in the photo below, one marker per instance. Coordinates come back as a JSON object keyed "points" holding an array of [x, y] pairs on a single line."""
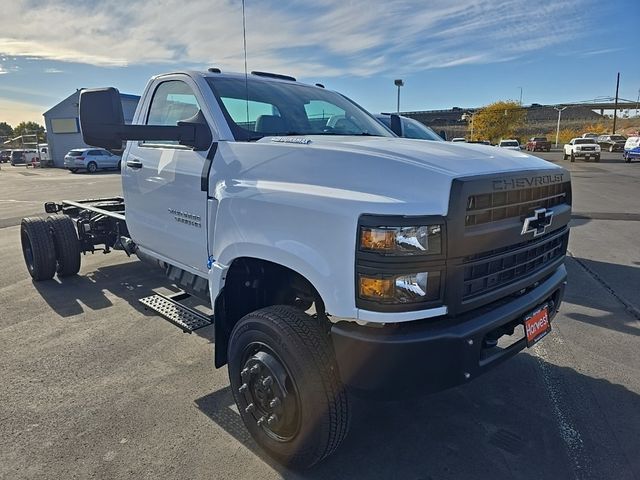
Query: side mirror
{"points": [[102, 124], [396, 124]]}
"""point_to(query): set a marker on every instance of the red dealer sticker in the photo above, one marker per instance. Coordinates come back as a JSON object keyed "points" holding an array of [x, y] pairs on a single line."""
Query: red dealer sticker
{"points": [[537, 325]]}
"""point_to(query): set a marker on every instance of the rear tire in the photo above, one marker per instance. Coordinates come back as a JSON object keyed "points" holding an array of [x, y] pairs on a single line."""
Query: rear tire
{"points": [[92, 167], [311, 413], [66, 243], [38, 248], [73, 170], [573, 157], [564, 156]]}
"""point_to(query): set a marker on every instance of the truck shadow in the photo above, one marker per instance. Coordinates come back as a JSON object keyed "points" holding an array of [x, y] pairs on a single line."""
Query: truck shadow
{"points": [[129, 281], [488, 428]]}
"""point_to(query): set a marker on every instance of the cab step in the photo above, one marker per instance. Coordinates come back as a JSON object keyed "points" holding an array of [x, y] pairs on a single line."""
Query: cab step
{"points": [[170, 308]]}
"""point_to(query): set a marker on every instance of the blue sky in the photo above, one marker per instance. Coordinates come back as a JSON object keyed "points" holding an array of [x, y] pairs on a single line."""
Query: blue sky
{"points": [[449, 52]]}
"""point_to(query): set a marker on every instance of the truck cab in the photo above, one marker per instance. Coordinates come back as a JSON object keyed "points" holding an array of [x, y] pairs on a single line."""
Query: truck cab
{"points": [[338, 259]]}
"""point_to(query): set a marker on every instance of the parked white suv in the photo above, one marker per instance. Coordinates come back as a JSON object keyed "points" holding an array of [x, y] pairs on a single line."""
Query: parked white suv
{"points": [[510, 144], [90, 159], [582, 148]]}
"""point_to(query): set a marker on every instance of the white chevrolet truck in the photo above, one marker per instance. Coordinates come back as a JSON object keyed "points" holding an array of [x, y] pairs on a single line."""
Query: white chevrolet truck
{"points": [[337, 258]]}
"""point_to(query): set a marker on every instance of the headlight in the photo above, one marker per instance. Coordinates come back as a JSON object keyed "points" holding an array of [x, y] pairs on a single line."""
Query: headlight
{"points": [[400, 289], [418, 240]]}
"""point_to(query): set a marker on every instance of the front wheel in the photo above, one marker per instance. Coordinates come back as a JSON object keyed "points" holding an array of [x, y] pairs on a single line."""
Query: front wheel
{"points": [[597, 158], [92, 167], [285, 382], [573, 157]]}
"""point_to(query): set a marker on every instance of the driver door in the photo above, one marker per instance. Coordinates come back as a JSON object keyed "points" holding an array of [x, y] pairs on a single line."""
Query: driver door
{"points": [[166, 209]]}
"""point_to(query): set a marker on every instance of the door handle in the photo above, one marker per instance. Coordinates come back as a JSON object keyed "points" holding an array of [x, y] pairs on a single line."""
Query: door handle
{"points": [[135, 163]]}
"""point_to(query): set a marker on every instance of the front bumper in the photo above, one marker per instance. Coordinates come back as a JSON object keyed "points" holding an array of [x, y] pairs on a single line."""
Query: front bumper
{"points": [[430, 355], [584, 154]]}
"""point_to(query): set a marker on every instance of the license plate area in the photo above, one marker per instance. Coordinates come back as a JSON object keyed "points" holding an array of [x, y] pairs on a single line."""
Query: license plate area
{"points": [[537, 325]]}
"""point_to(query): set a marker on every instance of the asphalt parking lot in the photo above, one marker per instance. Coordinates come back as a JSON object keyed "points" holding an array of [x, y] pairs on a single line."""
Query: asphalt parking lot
{"points": [[95, 387]]}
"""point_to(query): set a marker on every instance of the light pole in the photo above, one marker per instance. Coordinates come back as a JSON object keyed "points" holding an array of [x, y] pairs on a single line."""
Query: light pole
{"points": [[398, 83], [468, 117], [560, 110], [520, 95]]}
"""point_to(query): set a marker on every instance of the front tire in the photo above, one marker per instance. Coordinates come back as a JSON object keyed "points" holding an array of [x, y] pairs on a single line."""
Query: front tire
{"points": [[67, 245], [92, 167], [285, 382], [597, 158], [38, 248], [573, 157]]}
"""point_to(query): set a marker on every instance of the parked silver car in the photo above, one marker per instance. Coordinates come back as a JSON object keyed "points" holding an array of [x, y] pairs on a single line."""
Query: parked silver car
{"points": [[91, 160]]}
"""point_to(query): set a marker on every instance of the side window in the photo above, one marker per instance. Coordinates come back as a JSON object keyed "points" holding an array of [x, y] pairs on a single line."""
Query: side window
{"points": [[172, 102], [94, 152], [255, 116]]}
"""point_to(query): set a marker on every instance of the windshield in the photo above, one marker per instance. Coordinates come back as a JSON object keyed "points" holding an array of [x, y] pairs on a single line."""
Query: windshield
{"points": [[415, 129], [75, 153], [267, 108], [509, 144], [584, 140], [617, 137]]}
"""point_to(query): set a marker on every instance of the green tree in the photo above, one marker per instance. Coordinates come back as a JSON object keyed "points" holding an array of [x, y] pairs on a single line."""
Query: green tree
{"points": [[25, 128], [498, 120], [6, 131]]}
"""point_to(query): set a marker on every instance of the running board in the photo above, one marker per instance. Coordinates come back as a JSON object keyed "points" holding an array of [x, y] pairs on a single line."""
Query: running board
{"points": [[170, 308]]}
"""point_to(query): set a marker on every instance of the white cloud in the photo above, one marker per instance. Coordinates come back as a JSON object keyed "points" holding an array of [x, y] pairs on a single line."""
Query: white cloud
{"points": [[333, 37]]}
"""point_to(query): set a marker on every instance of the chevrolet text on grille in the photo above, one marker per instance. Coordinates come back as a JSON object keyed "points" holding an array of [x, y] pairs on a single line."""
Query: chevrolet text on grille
{"points": [[523, 182]]}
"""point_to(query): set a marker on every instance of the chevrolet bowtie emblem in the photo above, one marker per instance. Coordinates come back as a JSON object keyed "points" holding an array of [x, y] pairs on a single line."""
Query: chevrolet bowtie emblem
{"points": [[537, 223]]}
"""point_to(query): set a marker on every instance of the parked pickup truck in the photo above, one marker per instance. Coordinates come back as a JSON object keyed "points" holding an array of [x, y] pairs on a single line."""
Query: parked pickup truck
{"points": [[538, 143], [581, 147], [613, 143], [337, 258]]}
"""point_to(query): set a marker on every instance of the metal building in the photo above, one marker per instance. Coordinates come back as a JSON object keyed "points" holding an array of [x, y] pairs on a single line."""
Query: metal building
{"points": [[63, 125]]}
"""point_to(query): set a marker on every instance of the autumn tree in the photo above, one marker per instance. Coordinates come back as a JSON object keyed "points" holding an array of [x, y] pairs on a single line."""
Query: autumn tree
{"points": [[498, 120], [26, 128]]}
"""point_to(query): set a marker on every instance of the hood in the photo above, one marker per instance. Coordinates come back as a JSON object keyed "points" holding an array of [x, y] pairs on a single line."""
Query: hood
{"points": [[399, 175]]}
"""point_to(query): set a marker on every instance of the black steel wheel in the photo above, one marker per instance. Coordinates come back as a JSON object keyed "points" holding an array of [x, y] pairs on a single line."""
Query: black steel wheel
{"points": [[285, 383], [92, 167], [67, 245], [38, 248]]}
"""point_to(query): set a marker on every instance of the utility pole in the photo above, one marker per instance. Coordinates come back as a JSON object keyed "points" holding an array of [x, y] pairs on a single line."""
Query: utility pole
{"points": [[615, 108], [637, 102], [560, 110], [398, 83], [520, 95]]}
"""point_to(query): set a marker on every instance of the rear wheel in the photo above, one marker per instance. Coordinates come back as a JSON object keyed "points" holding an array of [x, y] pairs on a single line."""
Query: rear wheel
{"points": [[573, 157], [285, 383], [67, 246], [73, 170], [564, 155], [38, 248], [92, 167]]}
